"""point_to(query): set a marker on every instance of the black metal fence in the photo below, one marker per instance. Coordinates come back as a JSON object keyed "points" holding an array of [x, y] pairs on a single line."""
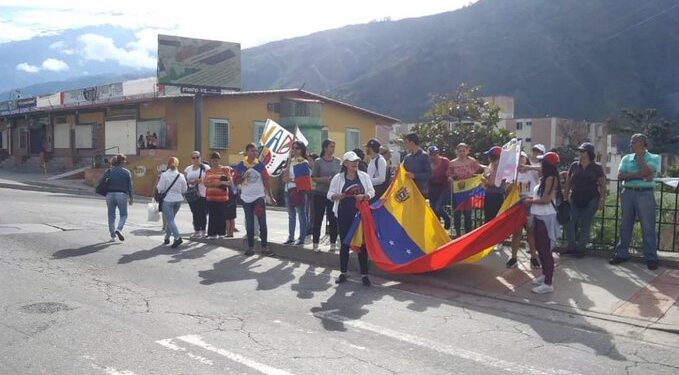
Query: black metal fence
{"points": [[606, 223]]}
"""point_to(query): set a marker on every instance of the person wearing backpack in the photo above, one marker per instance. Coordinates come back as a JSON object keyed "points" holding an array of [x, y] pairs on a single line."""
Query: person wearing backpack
{"points": [[586, 188], [377, 169], [173, 185], [544, 221], [195, 178], [118, 181]]}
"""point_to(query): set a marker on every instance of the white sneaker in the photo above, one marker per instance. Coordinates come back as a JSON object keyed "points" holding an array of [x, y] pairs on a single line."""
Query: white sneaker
{"points": [[112, 239], [196, 234], [539, 280], [542, 289], [316, 248]]}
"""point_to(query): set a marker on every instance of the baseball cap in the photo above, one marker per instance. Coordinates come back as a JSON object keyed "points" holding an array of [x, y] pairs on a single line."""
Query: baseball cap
{"points": [[494, 151], [350, 156], [551, 158], [434, 150], [586, 147], [373, 144], [524, 154], [540, 147]]}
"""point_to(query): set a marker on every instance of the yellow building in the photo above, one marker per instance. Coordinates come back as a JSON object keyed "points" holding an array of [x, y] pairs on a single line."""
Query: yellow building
{"points": [[78, 133]]}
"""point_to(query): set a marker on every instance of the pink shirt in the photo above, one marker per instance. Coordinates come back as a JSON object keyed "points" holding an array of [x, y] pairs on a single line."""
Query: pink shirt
{"points": [[461, 171]]}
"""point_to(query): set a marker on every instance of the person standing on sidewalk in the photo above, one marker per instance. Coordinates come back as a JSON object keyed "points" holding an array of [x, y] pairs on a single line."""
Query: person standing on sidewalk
{"points": [[543, 220], [439, 188], [346, 188], [377, 169], [173, 184], [417, 164], [251, 176], [585, 188], [217, 181], [119, 195], [495, 195], [325, 168], [195, 177], [637, 171], [527, 180], [296, 193], [462, 168]]}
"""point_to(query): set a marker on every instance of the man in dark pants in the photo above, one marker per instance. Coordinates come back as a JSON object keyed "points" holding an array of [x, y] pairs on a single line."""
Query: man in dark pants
{"points": [[417, 164], [638, 170]]}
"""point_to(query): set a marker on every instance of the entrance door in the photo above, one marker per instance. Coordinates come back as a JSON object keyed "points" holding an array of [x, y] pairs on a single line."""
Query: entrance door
{"points": [[36, 137]]}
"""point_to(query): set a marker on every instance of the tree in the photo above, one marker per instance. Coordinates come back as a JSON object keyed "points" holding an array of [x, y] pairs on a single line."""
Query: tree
{"points": [[646, 121], [463, 116]]}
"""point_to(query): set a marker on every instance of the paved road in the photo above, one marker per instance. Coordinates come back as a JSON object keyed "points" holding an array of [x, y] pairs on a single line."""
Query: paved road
{"points": [[73, 304]]}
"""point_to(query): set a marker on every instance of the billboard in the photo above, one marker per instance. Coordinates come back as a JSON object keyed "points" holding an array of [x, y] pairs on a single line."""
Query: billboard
{"points": [[198, 63], [93, 94]]}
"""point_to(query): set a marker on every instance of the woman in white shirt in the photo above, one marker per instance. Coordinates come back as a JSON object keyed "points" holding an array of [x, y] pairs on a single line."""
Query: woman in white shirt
{"points": [[173, 185], [195, 176], [527, 181], [543, 220]]}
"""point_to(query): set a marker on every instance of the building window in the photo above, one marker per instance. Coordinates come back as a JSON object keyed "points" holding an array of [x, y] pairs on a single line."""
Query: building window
{"points": [[529, 123], [257, 131], [353, 139], [528, 140], [151, 134], [219, 133], [519, 125], [598, 158], [83, 135], [62, 135], [324, 134]]}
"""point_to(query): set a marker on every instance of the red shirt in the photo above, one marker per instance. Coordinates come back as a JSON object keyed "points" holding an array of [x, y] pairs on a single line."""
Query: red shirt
{"points": [[217, 194]]}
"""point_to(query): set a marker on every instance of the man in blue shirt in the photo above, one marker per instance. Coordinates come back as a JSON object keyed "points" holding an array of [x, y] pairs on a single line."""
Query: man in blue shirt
{"points": [[637, 171], [416, 163]]}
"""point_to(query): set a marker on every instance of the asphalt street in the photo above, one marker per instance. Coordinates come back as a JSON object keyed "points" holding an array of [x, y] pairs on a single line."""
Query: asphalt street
{"points": [[72, 303]]}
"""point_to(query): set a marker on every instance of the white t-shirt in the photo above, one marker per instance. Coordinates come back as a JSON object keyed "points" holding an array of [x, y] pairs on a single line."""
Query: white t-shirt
{"points": [[193, 175], [527, 182], [542, 209], [252, 186]]}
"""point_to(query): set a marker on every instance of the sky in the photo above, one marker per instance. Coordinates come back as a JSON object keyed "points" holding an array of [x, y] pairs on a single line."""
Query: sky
{"points": [[249, 22]]}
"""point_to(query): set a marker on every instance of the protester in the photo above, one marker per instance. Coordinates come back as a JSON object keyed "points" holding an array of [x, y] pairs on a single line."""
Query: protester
{"points": [[536, 152], [362, 165], [311, 158], [526, 181], [637, 171], [231, 213], [346, 188], [173, 185], [462, 168], [377, 169], [325, 167], [296, 187], [543, 220], [119, 183], [140, 142], [217, 181], [585, 187], [439, 188], [495, 195], [416, 163], [195, 178], [253, 180]]}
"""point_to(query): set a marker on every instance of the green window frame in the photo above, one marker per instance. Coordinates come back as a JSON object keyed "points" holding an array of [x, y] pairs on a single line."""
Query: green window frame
{"points": [[220, 131]]}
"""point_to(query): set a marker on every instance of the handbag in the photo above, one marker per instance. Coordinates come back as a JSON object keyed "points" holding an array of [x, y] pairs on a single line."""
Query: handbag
{"points": [[296, 198], [193, 193], [159, 197], [102, 186]]}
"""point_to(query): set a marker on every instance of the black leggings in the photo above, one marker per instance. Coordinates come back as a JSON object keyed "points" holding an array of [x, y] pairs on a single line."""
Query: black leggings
{"points": [[492, 204], [344, 226], [217, 223], [322, 205], [199, 211]]}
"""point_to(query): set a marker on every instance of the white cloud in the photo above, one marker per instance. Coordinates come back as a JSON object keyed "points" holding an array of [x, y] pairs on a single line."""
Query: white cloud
{"points": [[28, 68], [50, 64], [101, 48], [54, 65], [62, 47]]}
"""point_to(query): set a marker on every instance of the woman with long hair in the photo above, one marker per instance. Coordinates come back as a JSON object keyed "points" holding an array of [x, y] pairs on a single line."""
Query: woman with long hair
{"points": [[297, 183], [173, 185], [217, 180], [325, 168], [543, 219], [527, 181], [119, 183], [346, 188], [462, 168], [195, 177]]}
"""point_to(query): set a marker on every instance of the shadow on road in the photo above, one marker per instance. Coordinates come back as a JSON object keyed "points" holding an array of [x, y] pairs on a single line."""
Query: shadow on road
{"points": [[238, 268], [85, 250]]}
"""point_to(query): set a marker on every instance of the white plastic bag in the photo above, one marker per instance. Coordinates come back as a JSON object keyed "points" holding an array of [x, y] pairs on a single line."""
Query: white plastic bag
{"points": [[152, 211]]}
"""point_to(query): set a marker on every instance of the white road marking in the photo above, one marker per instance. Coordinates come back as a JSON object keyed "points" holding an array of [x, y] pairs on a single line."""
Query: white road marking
{"points": [[265, 369], [443, 348], [172, 346], [107, 370]]}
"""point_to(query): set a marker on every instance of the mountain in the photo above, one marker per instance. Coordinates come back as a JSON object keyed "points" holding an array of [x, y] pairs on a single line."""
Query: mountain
{"points": [[583, 59], [571, 58]]}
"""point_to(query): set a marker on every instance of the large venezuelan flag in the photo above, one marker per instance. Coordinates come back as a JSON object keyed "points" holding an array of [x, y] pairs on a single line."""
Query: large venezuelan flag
{"points": [[403, 235]]}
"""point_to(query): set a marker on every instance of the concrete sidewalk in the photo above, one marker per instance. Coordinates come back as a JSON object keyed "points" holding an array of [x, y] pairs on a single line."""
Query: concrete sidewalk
{"points": [[628, 293]]}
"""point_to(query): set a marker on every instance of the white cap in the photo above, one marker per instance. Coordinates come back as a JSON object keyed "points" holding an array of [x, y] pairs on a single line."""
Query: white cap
{"points": [[540, 147], [350, 156]]}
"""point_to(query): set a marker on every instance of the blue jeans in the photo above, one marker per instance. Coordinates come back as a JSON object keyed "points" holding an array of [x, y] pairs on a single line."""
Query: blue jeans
{"points": [[119, 200], [170, 211], [581, 222], [440, 208], [293, 213], [639, 204], [249, 210]]}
